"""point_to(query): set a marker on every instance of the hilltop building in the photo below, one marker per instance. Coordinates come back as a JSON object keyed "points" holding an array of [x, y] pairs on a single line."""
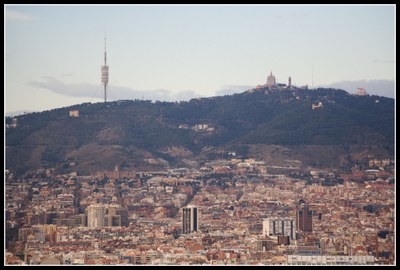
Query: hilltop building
{"points": [[361, 92], [319, 105], [271, 81], [74, 113], [273, 84]]}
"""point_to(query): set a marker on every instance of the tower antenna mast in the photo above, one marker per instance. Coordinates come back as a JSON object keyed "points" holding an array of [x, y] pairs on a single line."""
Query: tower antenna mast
{"points": [[104, 70], [312, 77]]}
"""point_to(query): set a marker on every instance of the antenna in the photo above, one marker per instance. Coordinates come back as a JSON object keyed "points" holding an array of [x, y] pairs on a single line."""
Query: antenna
{"points": [[105, 49], [104, 70], [312, 77]]}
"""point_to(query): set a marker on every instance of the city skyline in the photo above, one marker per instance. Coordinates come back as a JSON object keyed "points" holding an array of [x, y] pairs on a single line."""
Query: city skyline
{"points": [[292, 171], [252, 218], [180, 52]]}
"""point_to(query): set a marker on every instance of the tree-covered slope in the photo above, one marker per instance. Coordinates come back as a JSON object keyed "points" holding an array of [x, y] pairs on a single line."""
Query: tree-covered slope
{"points": [[129, 133]]}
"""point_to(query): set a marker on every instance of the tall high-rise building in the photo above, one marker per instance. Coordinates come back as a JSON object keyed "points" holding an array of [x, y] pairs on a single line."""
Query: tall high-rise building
{"points": [[190, 219], [116, 216], [290, 82], [106, 215], [304, 218], [277, 226], [96, 213]]}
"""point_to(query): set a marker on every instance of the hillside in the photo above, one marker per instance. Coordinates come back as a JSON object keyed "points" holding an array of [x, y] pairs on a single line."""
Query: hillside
{"points": [[151, 135]]}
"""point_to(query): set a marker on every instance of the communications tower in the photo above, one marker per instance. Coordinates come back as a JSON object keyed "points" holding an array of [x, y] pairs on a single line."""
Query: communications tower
{"points": [[104, 71]]}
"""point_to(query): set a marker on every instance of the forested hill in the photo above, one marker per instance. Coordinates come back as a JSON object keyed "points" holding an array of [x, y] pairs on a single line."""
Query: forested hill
{"points": [[137, 134]]}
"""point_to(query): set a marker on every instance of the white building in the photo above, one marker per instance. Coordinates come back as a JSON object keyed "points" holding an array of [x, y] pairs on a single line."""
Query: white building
{"points": [[96, 214], [271, 80], [74, 113], [329, 260], [361, 92], [275, 226]]}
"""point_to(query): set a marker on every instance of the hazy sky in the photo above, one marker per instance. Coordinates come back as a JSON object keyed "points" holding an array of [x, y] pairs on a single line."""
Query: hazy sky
{"points": [[54, 53]]}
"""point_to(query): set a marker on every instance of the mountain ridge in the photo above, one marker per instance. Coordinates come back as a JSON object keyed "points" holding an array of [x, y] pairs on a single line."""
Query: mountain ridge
{"points": [[137, 134]]}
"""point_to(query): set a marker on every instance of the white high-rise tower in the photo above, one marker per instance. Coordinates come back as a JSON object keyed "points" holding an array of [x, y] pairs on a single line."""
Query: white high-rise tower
{"points": [[104, 72], [274, 226], [96, 214]]}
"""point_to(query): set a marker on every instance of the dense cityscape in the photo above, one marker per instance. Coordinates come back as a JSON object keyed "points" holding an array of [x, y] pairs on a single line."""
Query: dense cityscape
{"points": [[280, 174], [228, 211]]}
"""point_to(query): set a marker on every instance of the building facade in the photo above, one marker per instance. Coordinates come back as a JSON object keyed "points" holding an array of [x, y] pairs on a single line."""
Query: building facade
{"points": [[190, 219], [304, 218], [74, 113], [271, 80], [104, 215], [330, 260], [277, 226], [116, 216], [96, 213], [361, 92]]}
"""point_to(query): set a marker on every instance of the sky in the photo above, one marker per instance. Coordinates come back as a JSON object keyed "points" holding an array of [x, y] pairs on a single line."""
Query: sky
{"points": [[53, 53]]}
